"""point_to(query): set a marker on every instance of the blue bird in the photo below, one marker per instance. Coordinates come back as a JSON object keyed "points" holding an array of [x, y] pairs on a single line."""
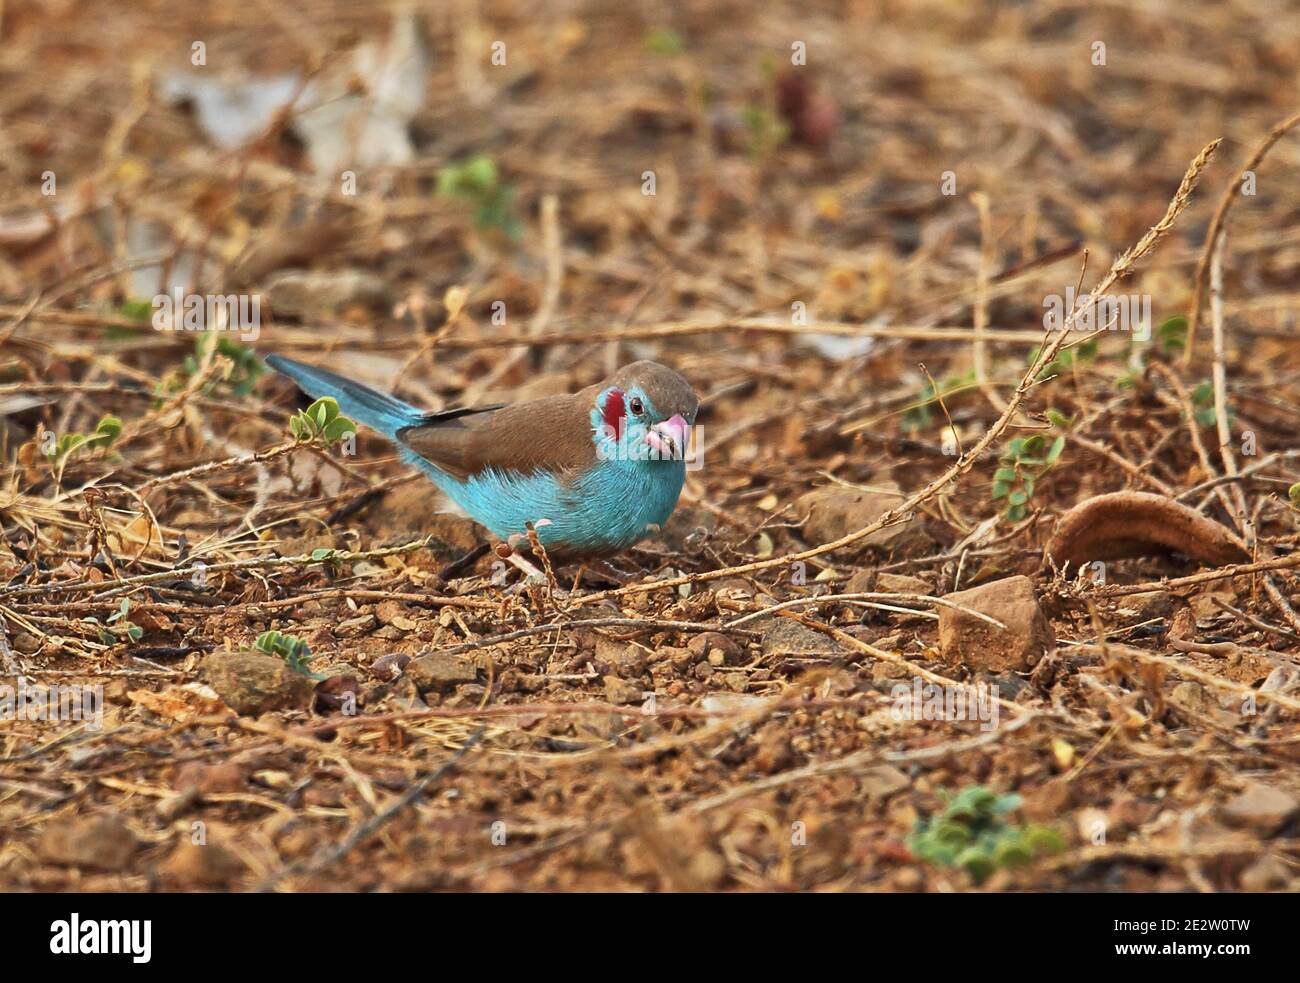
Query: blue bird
{"points": [[594, 472]]}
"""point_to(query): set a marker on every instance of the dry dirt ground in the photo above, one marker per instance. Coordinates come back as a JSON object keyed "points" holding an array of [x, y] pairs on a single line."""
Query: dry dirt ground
{"points": [[861, 213]]}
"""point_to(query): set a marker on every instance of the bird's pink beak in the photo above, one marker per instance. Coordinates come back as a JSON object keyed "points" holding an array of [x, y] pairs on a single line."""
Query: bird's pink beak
{"points": [[669, 438]]}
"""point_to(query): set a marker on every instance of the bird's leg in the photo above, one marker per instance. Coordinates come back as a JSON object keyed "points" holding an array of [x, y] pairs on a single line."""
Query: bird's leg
{"points": [[529, 570], [469, 559], [532, 576], [603, 568]]}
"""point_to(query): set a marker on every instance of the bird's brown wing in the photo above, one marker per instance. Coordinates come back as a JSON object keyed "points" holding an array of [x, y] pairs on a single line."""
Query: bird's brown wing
{"points": [[549, 434]]}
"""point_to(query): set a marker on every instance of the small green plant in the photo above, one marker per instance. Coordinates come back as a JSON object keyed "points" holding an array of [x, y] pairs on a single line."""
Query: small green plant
{"points": [[1168, 340], [1293, 493], [242, 372], [1171, 336], [1059, 420], [136, 309], [245, 365], [1025, 460], [1067, 358], [665, 41], [764, 129], [61, 450], [971, 832], [330, 557], [118, 624], [477, 182], [291, 648], [1203, 406], [321, 423], [919, 416]]}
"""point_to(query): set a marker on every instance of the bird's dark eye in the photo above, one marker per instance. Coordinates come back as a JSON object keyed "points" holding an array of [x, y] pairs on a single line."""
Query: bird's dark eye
{"points": [[636, 406]]}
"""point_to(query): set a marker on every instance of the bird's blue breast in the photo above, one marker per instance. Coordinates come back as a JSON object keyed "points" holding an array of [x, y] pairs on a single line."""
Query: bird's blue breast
{"points": [[607, 508]]}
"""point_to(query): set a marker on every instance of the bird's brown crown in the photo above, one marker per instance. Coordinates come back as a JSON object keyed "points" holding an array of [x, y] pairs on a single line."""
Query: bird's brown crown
{"points": [[668, 390]]}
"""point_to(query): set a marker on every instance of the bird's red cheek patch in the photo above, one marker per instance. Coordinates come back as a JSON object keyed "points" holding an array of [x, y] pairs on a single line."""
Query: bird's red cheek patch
{"points": [[615, 412]]}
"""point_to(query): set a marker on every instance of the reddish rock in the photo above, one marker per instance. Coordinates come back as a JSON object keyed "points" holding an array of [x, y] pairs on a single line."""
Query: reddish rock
{"points": [[621, 691], [897, 583], [703, 645], [224, 776], [440, 671], [833, 512], [209, 865], [251, 683], [1262, 808], [102, 842], [972, 642]]}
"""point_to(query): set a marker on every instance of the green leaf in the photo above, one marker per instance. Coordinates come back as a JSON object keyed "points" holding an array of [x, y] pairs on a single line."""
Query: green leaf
{"points": [[1054, 451], [110, 427], [974, 798], [951, 832], [1005, 474], [1007, 803], [1172, 334], [292, 649], [1043, 839], [977, 863], [480, 172], [1000, 489], [665, 41], [136, 309], [476, 181], [472, 178], [1059, 420], [1012, 853], [337, 429]]}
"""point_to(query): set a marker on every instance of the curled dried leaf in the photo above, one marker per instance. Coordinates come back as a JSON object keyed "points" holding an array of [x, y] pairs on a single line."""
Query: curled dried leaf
{"points": [[1130, 523]]}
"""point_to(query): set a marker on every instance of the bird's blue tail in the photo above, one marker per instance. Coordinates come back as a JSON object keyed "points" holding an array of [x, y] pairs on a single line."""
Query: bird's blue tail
{"points": [[377, 410]]}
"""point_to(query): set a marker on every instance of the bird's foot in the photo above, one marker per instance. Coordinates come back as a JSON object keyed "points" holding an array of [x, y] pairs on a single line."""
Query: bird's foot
{"points": [[603, 570], [533, 578], [529, 569]]}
